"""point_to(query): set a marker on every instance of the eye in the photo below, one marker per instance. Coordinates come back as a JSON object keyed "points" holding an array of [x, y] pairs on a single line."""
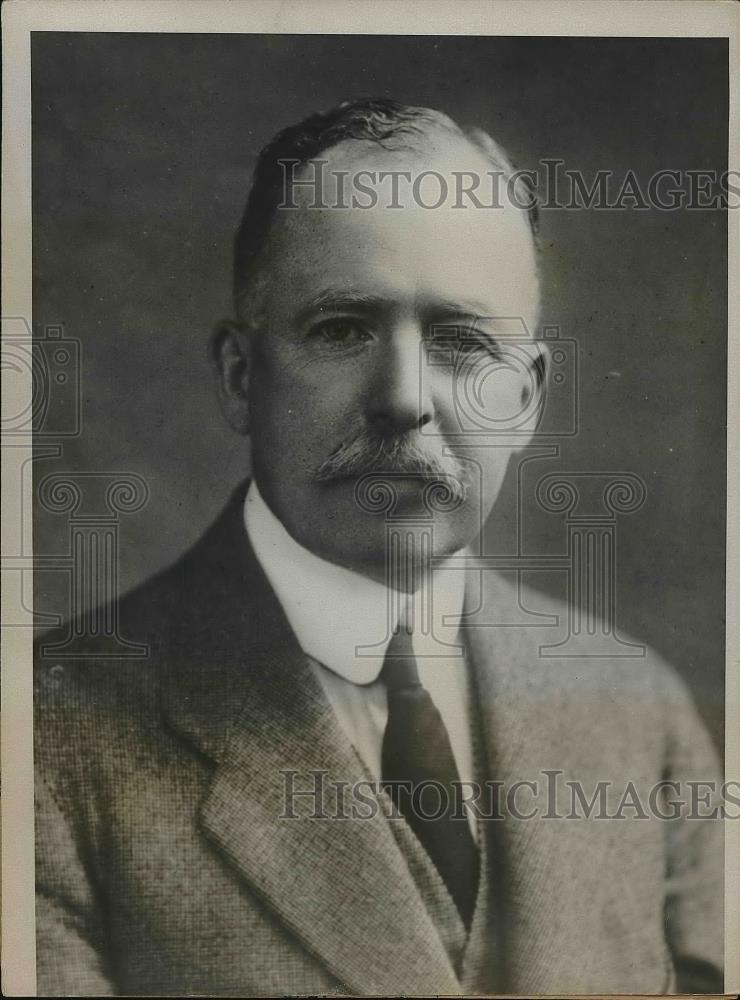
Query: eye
{"points": [[470, 343], [467, 345], [339, 332]]}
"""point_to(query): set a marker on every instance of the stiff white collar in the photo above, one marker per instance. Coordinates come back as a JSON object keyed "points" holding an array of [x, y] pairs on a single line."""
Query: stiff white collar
{"points": [[341, 618]]}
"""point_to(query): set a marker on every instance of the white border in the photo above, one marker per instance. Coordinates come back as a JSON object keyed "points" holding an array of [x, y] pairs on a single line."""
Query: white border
{"points": [[649, 18], [630, 18]]}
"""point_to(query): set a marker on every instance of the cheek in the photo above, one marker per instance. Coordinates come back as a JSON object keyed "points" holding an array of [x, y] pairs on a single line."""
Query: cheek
{"points": [[488, 468], [488, 411], [298, 414], [491, 399]]}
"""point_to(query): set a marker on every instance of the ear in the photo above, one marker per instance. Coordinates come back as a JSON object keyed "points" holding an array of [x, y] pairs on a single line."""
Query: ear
{"points": [[228, 352], [534, 390]]}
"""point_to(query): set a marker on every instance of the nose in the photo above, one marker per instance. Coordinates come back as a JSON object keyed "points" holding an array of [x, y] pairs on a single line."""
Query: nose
{"points": [[398, 401]]}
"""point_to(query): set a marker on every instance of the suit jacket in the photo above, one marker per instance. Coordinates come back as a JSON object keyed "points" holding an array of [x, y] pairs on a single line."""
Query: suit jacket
{"points": [[163, 866]]}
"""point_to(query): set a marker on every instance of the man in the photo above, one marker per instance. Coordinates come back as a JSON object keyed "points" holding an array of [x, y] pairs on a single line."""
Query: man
{"points": [[286, 796]]}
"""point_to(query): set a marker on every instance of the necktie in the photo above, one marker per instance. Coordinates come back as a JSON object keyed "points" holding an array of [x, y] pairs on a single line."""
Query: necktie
{"points": [[417, 752]]}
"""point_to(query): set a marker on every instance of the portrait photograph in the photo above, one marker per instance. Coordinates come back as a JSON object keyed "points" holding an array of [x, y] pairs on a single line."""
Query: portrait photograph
{"points": [[370, 455]]}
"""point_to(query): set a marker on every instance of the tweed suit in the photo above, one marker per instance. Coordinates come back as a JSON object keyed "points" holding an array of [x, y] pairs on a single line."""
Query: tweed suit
{"points": [[163, 866]]}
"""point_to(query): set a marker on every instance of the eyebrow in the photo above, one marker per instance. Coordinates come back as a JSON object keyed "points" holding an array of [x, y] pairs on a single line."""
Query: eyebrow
{"points": [[476, 309], [337, 300], [330, 299]]}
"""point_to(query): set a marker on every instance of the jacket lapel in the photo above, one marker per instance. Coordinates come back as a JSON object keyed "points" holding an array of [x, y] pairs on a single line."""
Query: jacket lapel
{"points": [[541, 869], [240, 689]]}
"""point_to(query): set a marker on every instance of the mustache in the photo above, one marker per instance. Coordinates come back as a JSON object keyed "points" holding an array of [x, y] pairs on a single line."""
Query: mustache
{"points": [[366, 453]]}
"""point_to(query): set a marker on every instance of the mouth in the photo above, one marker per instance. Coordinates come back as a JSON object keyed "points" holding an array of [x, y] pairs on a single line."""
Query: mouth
{"points": [[400, 476], [408, 480], [384, 474], [434, 492], [397, 479]]}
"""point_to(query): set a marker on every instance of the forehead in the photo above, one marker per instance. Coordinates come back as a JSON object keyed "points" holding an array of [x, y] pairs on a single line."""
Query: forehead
{"points": [[399, 247]]}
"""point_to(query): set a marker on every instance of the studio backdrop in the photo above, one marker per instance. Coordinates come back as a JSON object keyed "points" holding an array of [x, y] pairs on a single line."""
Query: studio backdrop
{"points": [[143, 146]]}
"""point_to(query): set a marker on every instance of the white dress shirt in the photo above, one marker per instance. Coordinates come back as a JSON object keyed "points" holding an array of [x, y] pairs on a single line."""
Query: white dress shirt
{"points": [[343, 622]]}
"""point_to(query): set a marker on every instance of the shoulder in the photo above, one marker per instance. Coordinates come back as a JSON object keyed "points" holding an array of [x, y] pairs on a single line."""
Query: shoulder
{"points": [[91, 684], [538, 628], [591, 680], [100, 677], [120, 643]]}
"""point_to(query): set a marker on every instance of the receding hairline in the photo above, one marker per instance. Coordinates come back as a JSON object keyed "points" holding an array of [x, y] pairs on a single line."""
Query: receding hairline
{"points": [[376, 123], [433, 142]]}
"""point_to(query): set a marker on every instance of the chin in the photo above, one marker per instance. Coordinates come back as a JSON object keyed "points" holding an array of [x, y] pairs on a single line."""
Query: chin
{"points": [[370, 547], [361, 534]]}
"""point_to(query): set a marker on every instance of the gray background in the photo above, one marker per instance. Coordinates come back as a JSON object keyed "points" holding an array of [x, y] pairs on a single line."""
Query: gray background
{"points": [[142, 152]]}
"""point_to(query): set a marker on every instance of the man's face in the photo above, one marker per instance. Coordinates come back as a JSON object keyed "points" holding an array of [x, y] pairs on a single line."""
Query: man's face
{"points": [[390, 338]]}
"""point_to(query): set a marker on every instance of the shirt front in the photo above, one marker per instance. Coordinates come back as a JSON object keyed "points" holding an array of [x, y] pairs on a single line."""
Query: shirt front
{"points": [[344, 621]]}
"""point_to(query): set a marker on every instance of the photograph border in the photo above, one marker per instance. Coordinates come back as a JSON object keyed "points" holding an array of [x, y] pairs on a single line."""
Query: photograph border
{"points": [[592, 18]]}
